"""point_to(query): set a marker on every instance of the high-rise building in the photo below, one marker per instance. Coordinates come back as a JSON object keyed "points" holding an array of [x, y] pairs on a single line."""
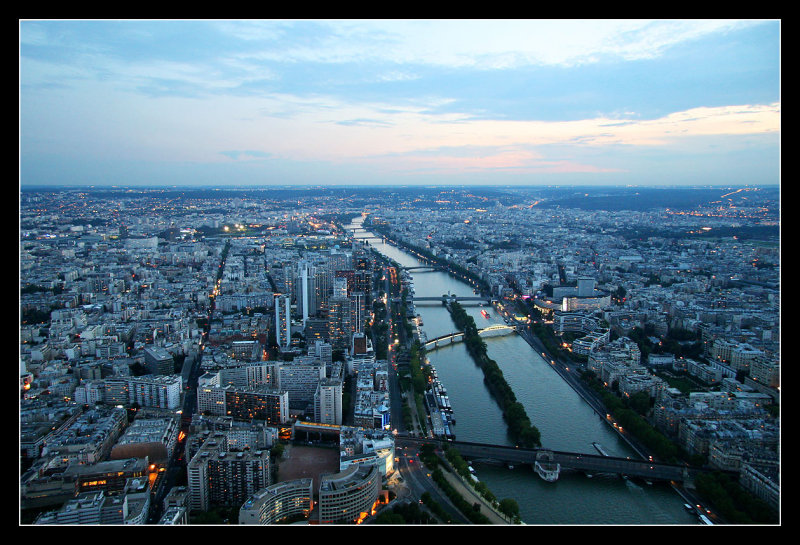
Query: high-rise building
{"points": [[303, 293], [267, 404], [300, 379], [283, 321], [340, 321], [340, 261], [328, 402], [362, 260], [358, 310], [320, 350], [340, 288], [360, 344], [219, 477], [362, 281], [158, 391], [158, 361], [350, 278], [312, 290], [585, 286], [250, 375], [323, 286], [316, 330], [285, 278]]}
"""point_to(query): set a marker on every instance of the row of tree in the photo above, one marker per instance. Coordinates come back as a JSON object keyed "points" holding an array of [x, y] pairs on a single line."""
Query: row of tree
{"points": [[520, 428], [507, 506], [733, 502]]}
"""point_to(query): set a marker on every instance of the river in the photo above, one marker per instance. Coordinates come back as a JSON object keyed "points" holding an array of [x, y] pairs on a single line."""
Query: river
{"points": [[565, 420]]}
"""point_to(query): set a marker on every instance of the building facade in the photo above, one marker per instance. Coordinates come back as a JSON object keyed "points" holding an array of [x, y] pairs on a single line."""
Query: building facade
{"points": [[349, 496], [278, 501], [219, 477]]}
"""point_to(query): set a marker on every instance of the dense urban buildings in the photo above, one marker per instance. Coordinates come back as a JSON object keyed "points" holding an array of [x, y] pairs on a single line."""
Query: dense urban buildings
{"points": [[173, 342]]}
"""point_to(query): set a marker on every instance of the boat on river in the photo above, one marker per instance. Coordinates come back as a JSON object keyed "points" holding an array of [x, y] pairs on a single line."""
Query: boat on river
{"points": [[547, 471], [546, 467]]}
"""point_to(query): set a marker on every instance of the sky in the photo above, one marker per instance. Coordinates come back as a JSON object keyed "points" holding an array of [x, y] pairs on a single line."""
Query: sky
{"points": [[399, 102]]}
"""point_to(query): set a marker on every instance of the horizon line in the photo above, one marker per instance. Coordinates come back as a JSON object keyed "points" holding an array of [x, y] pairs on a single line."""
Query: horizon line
{"points": [[23, 187]]}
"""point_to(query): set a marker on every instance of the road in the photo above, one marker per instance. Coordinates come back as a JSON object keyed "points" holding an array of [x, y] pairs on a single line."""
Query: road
{"points": [[416, 481], [177, 464]]}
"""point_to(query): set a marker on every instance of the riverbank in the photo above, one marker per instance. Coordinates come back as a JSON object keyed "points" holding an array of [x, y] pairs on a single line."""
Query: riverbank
{"points": [[471, 495]]}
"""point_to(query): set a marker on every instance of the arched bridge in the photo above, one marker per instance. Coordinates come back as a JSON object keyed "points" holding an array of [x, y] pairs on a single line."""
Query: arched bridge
{"points": [[424, 268], [589, 463], [446, 299], [491, 331]]}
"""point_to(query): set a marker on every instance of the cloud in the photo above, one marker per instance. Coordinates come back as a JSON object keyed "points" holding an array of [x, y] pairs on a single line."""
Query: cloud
{"points": [[449, 131], [364, 122], [493, 43], [245, 154], [425, 95], [508, 161], [240, 51]]}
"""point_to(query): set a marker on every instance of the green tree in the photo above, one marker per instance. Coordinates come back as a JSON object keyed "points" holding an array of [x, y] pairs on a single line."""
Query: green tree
{"points": [[390, 518], [509, 507], [640, 402]]}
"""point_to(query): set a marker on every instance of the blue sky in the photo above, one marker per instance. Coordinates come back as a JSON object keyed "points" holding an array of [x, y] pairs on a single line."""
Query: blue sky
{"points": [[387, 102]]}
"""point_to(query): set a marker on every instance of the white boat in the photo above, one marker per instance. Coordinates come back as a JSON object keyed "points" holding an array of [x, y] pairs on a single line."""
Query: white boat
{"points": [[546, 466], [548, 471]]}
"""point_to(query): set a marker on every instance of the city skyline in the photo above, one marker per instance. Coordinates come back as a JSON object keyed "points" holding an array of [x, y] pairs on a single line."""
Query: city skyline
{"points": [[175, 344], [399, 102]]}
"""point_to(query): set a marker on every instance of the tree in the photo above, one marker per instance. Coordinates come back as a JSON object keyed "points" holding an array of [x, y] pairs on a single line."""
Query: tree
{"points": [[509, 507], [640, 402], [390, 518], [277, 450]]}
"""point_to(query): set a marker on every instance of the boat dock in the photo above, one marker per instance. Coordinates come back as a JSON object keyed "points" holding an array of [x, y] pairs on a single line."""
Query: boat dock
{"points": [[599, 448]]}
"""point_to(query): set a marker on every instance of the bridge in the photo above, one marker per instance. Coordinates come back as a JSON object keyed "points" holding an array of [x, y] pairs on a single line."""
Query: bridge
{"points": [[491, 331], [445, 299], [574, 461], [424, 268]]}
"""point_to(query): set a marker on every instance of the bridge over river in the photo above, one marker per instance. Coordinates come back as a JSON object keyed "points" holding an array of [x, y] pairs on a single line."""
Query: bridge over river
{"points": [[425, 268], [450, 338], [445, 299], [576, 461]]}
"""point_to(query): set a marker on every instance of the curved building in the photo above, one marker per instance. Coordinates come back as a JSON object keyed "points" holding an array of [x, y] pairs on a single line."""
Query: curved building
{"points": [[350, 495], [274, 503]]}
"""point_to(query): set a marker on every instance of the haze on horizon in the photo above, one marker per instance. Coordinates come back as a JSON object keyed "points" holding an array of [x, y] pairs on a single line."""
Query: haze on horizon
{"points": [[399, 102]]}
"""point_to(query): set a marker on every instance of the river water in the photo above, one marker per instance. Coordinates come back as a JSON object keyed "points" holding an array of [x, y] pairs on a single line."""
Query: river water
{"points": [[565, 420]]}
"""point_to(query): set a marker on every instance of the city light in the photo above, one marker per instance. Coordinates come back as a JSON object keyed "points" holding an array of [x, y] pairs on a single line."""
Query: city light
{"points": [[109, 307]]}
